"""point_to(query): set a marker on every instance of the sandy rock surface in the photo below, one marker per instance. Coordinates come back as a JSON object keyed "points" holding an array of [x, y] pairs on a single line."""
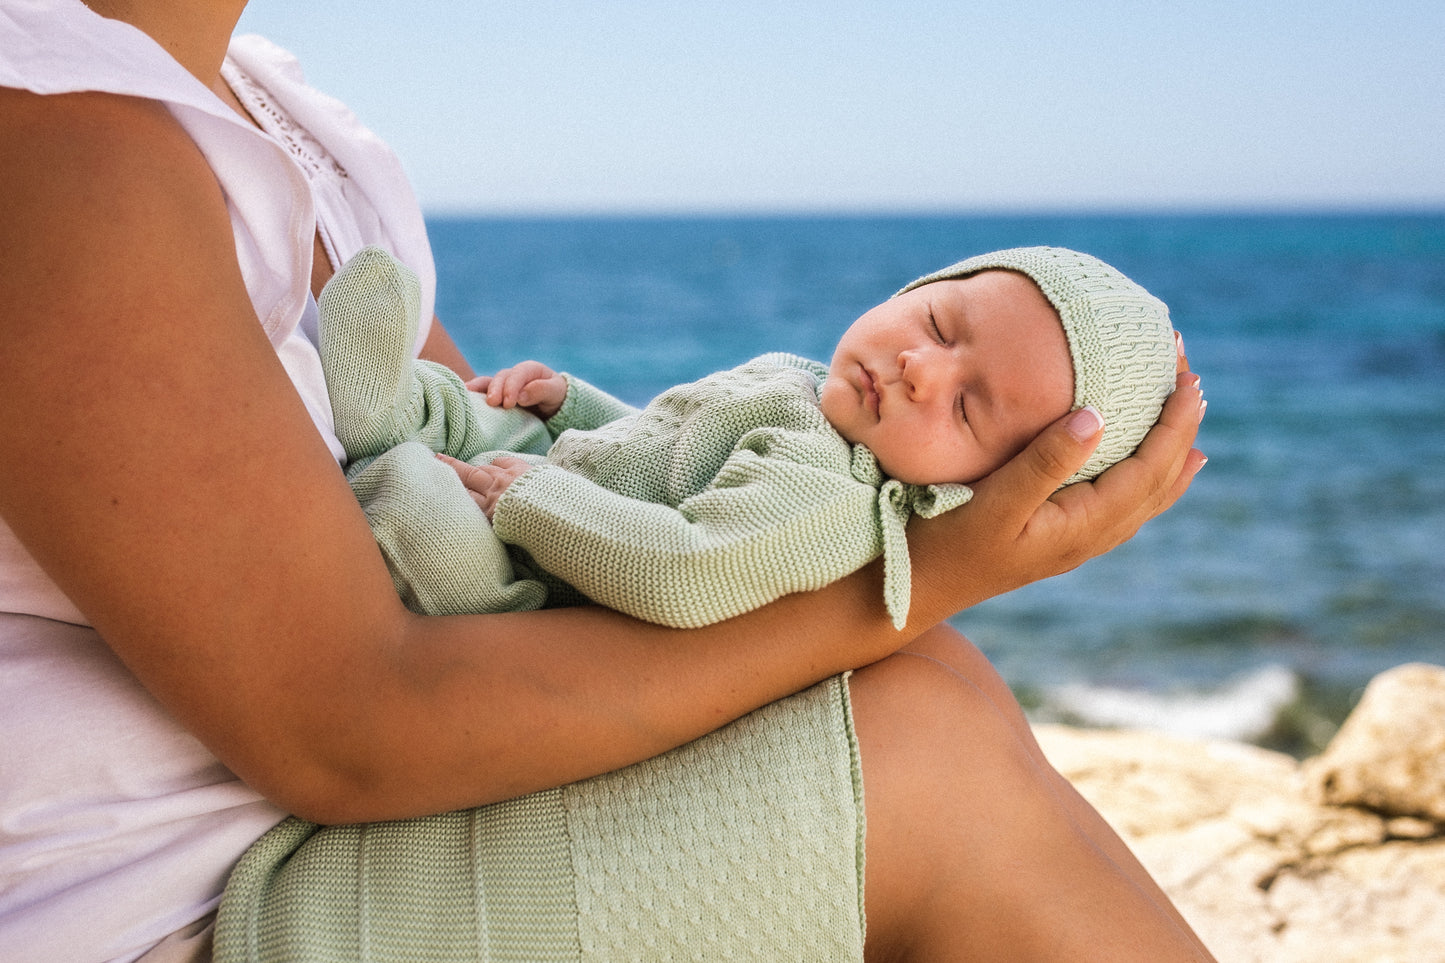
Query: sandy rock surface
{"points": [[1337, 860]]}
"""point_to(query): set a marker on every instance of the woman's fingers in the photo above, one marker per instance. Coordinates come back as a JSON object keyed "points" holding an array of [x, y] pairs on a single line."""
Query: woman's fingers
{"points": [[1143, 485], [1194, 459], [1025, 482], [1094, 517], [1168, 447]]}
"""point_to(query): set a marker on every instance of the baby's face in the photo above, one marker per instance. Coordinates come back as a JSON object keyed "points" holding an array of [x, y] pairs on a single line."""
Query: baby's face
{"points": [[948, 381]]}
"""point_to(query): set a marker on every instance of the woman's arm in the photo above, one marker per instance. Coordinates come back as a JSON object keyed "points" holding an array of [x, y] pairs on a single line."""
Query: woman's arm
{"points": [[160, 467], [440, 347]]}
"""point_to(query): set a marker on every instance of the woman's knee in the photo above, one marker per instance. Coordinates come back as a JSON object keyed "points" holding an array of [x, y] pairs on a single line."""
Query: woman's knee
{"points": [[927, 732], [948, 646], [970, 832], [923, 700], [938, 755]]}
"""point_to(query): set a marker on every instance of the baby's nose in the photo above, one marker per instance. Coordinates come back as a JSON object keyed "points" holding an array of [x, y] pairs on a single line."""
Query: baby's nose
{"points": [[923, 375]]}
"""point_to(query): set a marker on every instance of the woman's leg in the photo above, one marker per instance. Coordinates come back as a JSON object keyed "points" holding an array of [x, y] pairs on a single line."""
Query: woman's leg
{"points": [[976, 847], [952, 649]]}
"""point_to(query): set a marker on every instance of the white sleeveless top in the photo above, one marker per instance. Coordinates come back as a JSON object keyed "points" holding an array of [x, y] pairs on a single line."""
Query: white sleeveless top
{"points": [[116, 826]]}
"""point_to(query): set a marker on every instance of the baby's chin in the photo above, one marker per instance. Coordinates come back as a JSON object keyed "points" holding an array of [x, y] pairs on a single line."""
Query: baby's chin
{"points": [[923, 479]]}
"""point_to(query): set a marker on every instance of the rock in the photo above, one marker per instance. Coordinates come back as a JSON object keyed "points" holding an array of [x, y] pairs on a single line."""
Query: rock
{"points": [[1260, 863], [1389, 756]]}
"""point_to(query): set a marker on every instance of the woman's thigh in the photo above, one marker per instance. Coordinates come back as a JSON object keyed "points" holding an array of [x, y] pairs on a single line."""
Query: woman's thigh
{"points": [[941, 746], [976, 848]]}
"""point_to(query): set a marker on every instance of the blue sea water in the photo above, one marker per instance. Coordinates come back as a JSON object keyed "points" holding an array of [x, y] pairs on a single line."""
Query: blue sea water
{"points": [[1309, 554]]}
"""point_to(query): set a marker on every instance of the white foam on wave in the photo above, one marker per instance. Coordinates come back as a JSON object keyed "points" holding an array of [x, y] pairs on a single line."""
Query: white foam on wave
{"points": [[1243, 708]]}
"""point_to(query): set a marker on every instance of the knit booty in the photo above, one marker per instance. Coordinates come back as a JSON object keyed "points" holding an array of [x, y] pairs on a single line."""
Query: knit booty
{"points": [[369, 313]]}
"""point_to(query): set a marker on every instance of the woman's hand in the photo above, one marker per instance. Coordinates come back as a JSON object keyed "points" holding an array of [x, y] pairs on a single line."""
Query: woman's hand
{"points": [[1020, 527]]}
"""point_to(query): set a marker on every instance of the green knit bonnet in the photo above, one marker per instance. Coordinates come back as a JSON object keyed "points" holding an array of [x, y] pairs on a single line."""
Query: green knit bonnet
{"points": [[1120, 339]]}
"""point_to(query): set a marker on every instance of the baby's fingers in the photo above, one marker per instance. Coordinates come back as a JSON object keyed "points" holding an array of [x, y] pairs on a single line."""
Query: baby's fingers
{"points": [[473, 479], [501, 389], [479, 481], [506, 385]]}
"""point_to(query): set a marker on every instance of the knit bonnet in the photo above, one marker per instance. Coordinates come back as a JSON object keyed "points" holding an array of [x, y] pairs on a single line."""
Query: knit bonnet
{"points": [[1120, 339]]}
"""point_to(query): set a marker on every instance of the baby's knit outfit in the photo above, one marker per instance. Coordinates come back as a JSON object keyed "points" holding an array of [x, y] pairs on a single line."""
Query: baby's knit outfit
{"points": [[717, 498]]}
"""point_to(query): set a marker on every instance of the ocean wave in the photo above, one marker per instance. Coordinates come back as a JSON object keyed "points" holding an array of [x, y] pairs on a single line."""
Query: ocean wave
{"points": [[1246, 707]]}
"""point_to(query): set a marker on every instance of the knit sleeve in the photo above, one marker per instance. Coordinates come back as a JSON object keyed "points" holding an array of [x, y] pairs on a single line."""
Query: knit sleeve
{"points": [[766, 527], [586, 407], [442, 554]]}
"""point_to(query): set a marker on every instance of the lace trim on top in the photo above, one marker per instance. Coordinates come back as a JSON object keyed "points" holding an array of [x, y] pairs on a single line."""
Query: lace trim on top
{"points": [[322, 171], [307, 151]]}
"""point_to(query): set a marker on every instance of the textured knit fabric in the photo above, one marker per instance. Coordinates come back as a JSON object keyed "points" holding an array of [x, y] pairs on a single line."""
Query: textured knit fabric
{"points": [[717, 498], [1120, 340], [744, 845]]}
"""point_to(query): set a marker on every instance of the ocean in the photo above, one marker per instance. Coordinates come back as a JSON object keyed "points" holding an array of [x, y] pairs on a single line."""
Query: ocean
{"points": [[1309, 554]]}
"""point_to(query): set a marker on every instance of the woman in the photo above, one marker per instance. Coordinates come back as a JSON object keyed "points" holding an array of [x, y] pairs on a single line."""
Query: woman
{"points": [[201, 635]]}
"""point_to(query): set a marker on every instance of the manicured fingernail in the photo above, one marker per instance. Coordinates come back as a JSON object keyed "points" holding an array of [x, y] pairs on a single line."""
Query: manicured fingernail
{"points": [[1179, 343], [1202, 406], [1085, 423]]}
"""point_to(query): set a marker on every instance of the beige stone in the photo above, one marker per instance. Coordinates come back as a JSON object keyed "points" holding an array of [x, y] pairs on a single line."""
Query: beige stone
{"points": [[1263, 869], [1389, 756]]}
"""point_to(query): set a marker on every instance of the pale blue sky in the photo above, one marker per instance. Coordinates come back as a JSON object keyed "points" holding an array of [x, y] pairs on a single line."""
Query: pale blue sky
{"points": [[892, 105]]}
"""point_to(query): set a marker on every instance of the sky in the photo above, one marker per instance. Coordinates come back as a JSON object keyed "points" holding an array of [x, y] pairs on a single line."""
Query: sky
{"points": [[647, 106]]}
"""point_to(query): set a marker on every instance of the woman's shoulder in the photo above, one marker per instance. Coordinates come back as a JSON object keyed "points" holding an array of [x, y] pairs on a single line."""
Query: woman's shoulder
{"points": [[90, 138], [113, 224], [86, 171]]}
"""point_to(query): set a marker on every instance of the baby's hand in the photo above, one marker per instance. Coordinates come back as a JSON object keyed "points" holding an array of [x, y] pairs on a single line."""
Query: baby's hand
{"points": [[531, 384], [487, 483]]}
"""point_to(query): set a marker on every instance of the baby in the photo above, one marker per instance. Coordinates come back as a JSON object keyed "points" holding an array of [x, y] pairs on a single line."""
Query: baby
{"points": [[721, 495]]}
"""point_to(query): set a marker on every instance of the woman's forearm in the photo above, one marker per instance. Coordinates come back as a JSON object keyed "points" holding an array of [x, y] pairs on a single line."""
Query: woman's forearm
{"points": [[440, 347], [470, 709]]}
